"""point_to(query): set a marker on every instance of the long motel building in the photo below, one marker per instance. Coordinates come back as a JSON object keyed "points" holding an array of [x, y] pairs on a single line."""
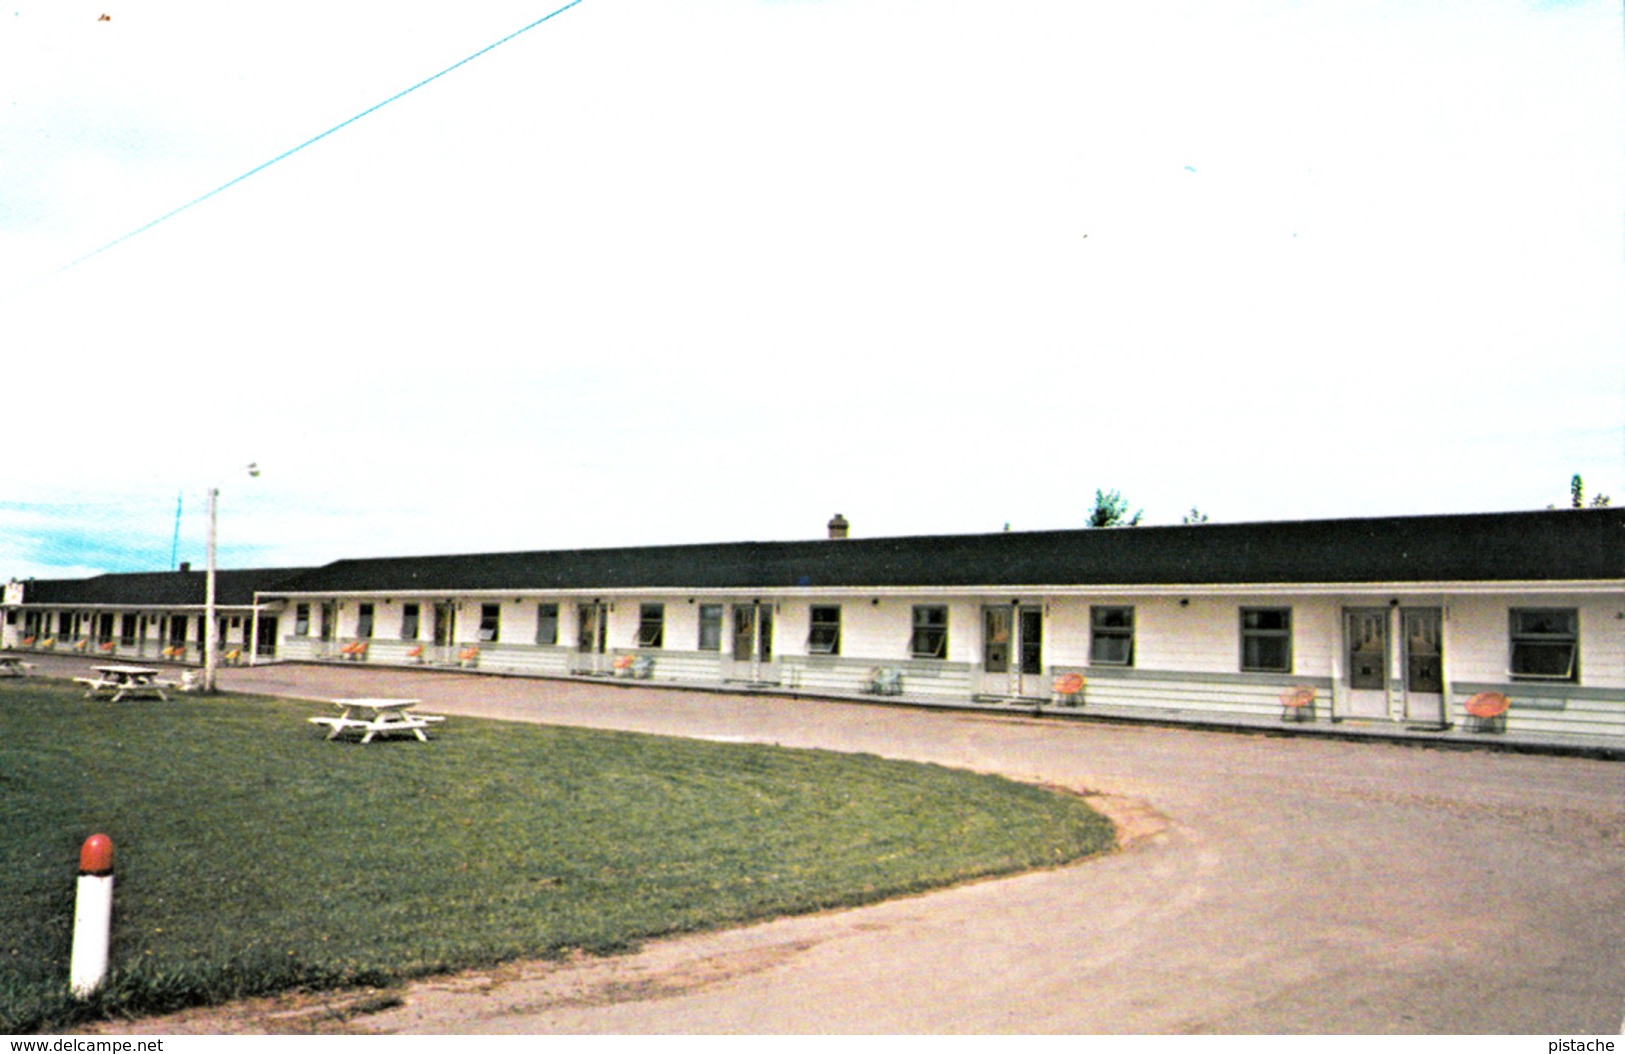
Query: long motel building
{"points": [[1396, 620]]}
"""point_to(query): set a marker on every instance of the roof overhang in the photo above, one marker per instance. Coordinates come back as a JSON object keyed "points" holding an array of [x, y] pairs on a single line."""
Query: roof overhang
{"points": [[1568, 587], [136, 606]]}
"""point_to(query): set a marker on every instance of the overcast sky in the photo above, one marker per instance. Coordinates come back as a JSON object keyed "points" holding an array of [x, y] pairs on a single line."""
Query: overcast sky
{"points": [[714, 270]]}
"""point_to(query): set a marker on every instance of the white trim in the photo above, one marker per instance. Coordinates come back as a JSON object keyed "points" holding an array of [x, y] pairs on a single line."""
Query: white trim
{"points": [[1035, 593], [57, 605]]}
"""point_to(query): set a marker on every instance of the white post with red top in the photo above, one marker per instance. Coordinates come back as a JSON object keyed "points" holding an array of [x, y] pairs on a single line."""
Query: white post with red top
{"points": [[92, 916]]}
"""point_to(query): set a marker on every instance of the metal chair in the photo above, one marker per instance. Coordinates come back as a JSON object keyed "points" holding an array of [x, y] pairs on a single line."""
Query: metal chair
{"points": [[1068, 689], [886, 680], [1298, 704], [1488, 711]]}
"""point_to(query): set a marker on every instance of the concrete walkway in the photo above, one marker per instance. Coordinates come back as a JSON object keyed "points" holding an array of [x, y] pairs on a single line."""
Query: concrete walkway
{"points": [[1268, 884]]}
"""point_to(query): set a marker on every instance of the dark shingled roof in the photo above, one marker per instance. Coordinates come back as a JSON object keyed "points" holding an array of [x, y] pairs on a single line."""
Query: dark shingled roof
{"points": [[159, 588], [1585, 544]]}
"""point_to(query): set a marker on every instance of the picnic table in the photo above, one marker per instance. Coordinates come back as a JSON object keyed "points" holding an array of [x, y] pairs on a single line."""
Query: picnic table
{"points": [[374, 717], [14, 666], [117, 683]]}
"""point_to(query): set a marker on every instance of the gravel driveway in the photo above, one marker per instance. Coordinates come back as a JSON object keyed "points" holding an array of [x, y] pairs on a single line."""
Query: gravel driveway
{"points": [[1273, 885]]}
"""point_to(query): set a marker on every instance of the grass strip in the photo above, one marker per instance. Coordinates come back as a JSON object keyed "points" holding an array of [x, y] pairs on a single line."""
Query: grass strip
{"points": [[253, 856]]}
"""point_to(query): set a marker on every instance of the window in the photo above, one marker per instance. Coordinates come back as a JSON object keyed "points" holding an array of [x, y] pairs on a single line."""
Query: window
{"points": [[1266, 640], [1111, 636], [1546, 644], [126, 630], [409, 621], [930, 639], [363, 621], [824, 635], [301, 620], [651, 625], [490, 622], [547, 623], [710, 627]]}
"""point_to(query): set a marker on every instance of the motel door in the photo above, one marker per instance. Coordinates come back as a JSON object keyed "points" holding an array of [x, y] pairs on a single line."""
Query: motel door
{"points": [[1424, 664], [1366, 638], [445, 629], [1012, 649], [753, 642], [266, 644], [592, 637], [326, 627]]}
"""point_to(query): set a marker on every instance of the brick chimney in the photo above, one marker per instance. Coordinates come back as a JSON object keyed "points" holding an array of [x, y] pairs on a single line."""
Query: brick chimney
{"points": [[838, 526], [185, 567]]}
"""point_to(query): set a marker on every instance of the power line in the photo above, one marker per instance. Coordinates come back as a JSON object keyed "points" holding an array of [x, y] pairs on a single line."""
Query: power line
{"points": [[175, 546], [315, 139]]}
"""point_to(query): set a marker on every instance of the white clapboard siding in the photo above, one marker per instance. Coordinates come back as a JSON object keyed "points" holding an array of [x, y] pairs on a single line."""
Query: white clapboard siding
{"points": [[1478, 637], [1215, 695], [881, 632], [833, 674], [826, 673], [1546, 709], [691, 667], [531, 659], [388, 651], [844, 675]]}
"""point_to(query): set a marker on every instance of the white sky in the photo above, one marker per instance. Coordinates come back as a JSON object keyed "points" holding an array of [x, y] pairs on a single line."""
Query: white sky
{"points": [[708, 270]]}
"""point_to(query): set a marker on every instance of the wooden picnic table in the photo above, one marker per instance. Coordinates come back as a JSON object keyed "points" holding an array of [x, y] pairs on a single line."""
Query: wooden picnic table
{"points": [[117, 683], [14, 666], [374, 717]]}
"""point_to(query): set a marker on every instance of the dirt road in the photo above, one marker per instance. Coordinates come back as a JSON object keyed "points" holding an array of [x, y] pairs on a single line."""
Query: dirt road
{"points": [[1269, 885]]}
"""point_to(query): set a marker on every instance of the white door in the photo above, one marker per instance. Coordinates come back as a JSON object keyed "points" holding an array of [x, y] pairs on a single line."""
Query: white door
{"points": [[592, 639], [1366, 643], [753, 644], [1424, 664], [1012, 651], [445, 631]]}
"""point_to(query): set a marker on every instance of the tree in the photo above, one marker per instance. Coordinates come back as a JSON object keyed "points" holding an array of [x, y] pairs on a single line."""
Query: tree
{"points": [[1111, 510], [1195, 516], [1577, 495]]}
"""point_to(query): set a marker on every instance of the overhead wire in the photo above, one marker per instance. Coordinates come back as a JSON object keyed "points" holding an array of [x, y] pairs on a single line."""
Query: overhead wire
{"points": [[317, 138]]}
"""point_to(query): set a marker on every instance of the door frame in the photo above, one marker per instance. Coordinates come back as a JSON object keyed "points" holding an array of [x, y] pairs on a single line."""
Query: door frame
{"points": [[1019, 676], [1424, 706], [443, 629], [759, 666], [1362, 703], [592, 638]]}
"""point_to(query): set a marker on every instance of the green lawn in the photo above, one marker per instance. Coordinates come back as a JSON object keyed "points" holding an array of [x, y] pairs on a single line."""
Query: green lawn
{"points": [[254, 856]]}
